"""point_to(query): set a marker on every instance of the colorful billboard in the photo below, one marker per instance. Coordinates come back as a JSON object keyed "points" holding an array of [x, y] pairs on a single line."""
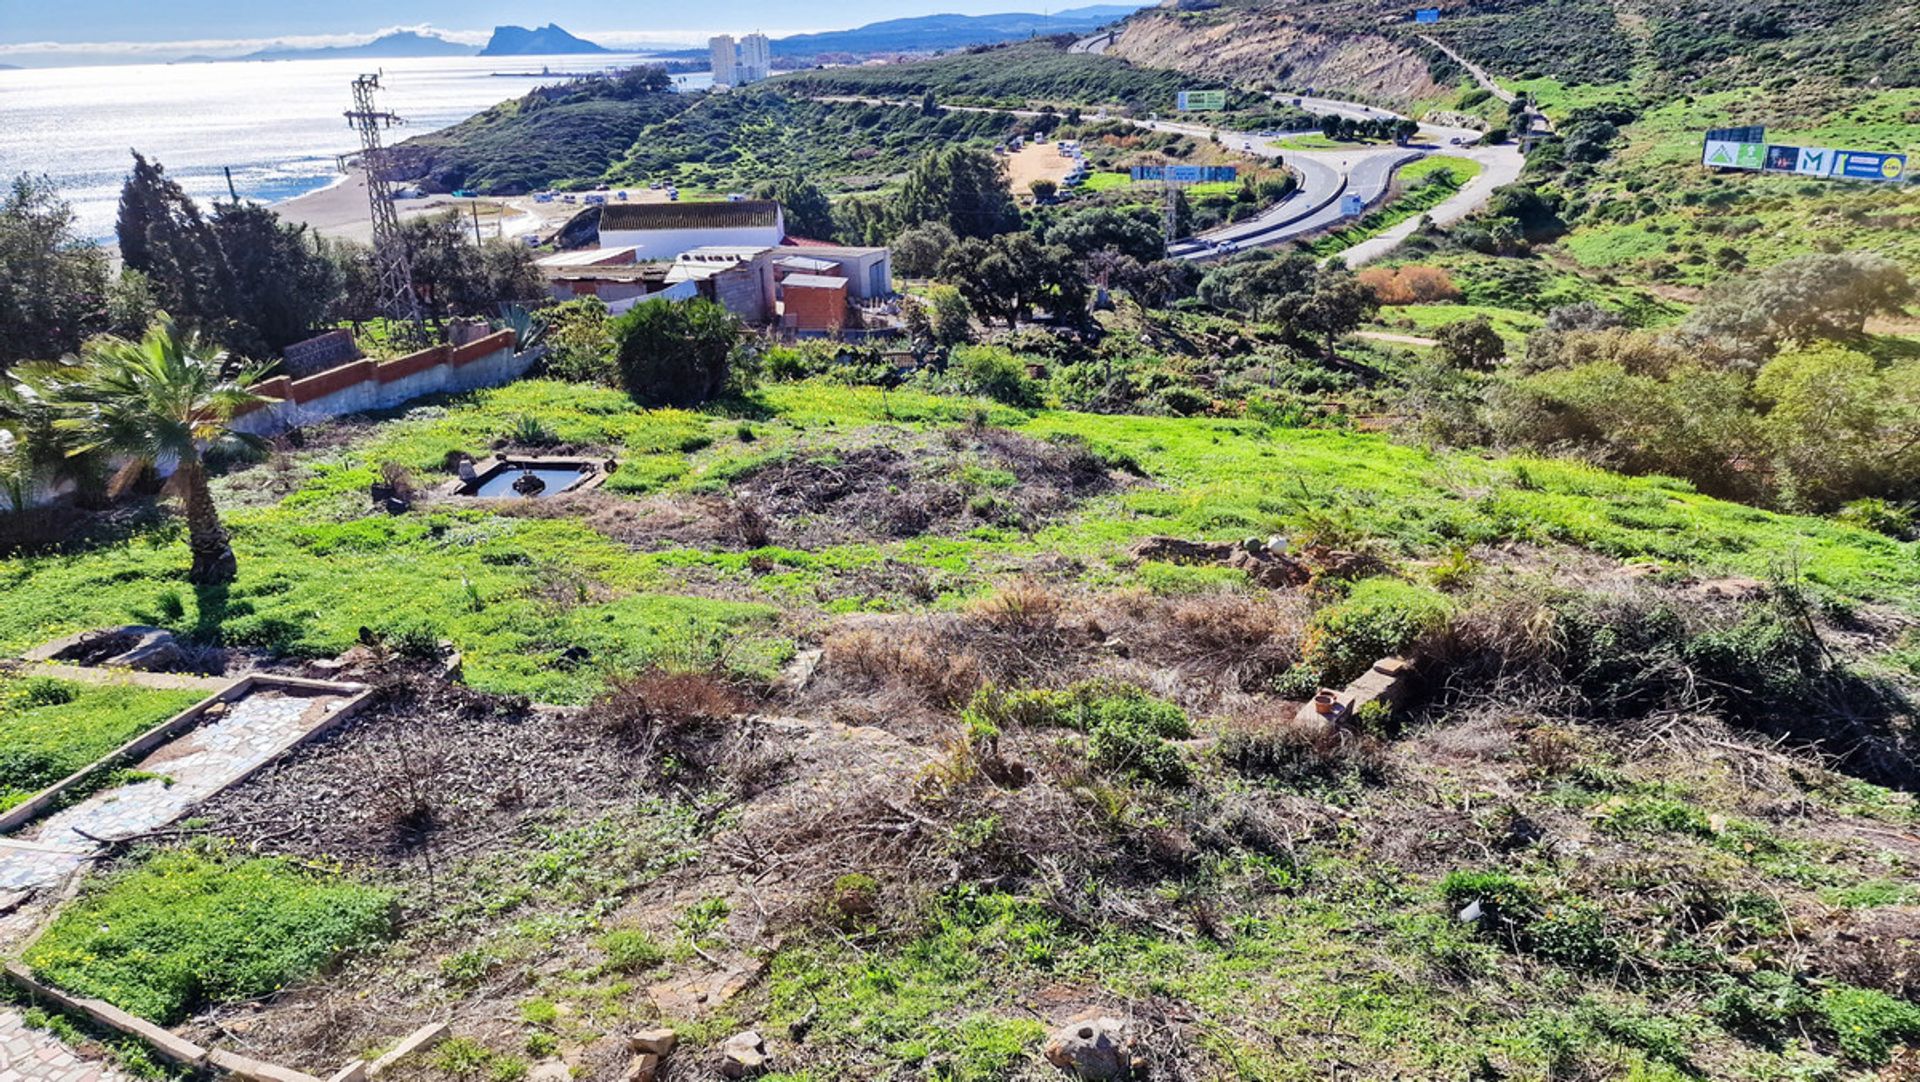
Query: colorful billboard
{"points": [[1202, 101], [1822, 162], [1187, 174], [1427, 16], [1721, 154], [1866, 165]]}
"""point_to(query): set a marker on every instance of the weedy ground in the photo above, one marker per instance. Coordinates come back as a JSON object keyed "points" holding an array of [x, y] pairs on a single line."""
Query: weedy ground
{"points": [[1001, 771]]}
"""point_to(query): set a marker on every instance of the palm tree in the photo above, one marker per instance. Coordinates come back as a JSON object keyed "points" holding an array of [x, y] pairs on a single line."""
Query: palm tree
{"points": [[156, 402]]}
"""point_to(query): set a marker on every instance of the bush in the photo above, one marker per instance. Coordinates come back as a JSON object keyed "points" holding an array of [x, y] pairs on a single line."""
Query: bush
{"points": [[1379, 618], [1127, 729], [414, 637], [41, 691], [193, 927], [994, 373], [677, 354]]}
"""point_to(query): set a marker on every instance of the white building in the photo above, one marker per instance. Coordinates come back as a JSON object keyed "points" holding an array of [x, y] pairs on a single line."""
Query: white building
{"points": [[756, 58], [661, 231], [726, 61]]}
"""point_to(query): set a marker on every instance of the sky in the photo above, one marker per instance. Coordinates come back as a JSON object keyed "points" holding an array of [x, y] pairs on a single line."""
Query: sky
{"points": [[36, 32]]}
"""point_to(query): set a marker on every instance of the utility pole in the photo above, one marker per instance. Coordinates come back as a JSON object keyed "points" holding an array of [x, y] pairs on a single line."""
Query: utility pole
{"points": [[402, 304]]}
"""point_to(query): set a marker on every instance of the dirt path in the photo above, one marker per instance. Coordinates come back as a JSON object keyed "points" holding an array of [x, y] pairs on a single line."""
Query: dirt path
{"points": [[1397, 339]]}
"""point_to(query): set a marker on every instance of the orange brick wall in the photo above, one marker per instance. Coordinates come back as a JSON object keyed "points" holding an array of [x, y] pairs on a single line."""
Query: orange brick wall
{"points": [[813, 308]]}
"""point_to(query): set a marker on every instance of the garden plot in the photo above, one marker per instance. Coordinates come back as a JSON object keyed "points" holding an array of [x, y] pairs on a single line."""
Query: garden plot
{"points": [[228, 739]]}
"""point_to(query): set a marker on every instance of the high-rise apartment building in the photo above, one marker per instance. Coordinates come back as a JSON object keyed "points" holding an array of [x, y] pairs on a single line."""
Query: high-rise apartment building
{"points": [[756, 58], [726, 61]]}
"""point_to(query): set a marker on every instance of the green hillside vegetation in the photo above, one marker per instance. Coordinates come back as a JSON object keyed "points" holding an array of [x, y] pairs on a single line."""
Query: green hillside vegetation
{"points": [[569, 132], [1009, 76], [735, 141]]}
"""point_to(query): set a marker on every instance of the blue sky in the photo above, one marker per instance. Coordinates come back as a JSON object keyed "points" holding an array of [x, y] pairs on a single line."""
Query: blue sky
{"points": [[36, 30]]}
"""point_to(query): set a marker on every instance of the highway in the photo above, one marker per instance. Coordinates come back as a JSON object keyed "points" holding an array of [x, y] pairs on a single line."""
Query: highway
{"points": [[1365, 170]]}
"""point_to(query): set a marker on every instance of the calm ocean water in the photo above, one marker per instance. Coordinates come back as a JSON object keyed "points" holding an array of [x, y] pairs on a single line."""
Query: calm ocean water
{"points": [[278, 124]]}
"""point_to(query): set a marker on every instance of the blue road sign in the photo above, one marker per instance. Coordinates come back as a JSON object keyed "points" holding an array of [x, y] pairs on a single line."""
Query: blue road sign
{"points": [[1352, 206], [1187, 174], [1427, 15]]}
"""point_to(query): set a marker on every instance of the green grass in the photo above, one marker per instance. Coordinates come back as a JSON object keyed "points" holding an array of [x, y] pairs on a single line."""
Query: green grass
{"points": [[189, 928], [515, 593], [1106, 182], [1423, 185], [51, 728], [1321, 142]]}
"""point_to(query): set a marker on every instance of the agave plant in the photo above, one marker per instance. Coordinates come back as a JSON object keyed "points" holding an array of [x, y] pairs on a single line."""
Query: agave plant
{"points": [[529, 328]]}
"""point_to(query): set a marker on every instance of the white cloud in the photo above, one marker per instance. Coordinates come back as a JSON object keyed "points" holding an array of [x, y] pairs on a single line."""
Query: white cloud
{"points": [[223, 46]]}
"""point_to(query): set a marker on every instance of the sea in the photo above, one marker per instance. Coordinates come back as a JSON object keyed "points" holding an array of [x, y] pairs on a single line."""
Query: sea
{"points": [[278, 125]]}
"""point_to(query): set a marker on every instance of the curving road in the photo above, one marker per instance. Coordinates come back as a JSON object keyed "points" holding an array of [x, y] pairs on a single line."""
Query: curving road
{"points": [[1325, 175]]}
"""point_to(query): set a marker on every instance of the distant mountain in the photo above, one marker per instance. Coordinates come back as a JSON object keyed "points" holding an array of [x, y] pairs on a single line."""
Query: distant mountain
{"points": [[9, 67], [927, 33], [548, 40], [397, 44]]}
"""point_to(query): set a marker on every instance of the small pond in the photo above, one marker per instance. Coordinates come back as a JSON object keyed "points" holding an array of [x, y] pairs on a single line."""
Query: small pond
{"points": [[498, 483]]}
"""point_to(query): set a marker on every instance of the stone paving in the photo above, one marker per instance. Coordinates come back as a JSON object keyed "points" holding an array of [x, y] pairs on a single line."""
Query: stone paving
{"points": [[29, 867], [32, 1055], [204, 761], [215, 754]]}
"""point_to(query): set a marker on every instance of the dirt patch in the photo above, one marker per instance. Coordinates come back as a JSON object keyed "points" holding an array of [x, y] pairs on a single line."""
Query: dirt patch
{"points": [[913, 486], [427, 769]]}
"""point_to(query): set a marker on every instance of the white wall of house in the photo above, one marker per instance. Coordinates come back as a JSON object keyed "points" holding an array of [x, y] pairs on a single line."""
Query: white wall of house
{"points": [[667, 244]]}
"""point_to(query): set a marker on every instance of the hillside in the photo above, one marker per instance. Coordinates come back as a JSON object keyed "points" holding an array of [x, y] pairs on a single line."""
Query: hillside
{"points": [[570, 131], [1010, 75], [932, 33], [1694, 45]]}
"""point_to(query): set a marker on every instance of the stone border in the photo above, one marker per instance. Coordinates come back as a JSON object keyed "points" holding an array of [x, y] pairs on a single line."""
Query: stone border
{"points": [[178, 1049], [485, 469], [184, 722]]}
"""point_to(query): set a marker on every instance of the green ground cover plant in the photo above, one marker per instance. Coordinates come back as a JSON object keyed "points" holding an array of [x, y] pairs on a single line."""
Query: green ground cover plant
{"points": [[51, 728], [186, 928], [483, 578]]}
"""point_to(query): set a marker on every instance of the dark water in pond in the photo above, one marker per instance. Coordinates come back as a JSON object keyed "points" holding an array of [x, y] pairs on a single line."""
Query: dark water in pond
{"points": [[500, 485]]}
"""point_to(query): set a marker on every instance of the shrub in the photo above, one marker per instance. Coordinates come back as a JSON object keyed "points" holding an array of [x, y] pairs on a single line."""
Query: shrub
{"points": [[41, 691], [198, 926], [1127, 729], [676, 354], [414, 637], [994, 373], [1378, 618]]}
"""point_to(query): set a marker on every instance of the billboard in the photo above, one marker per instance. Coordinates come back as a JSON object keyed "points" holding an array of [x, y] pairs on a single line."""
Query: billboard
{"points": [[1202, 101], [1822, 162], [1187, 174], [1753, 133], [1866, 165], [1427, 16], [1722, 154]]}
